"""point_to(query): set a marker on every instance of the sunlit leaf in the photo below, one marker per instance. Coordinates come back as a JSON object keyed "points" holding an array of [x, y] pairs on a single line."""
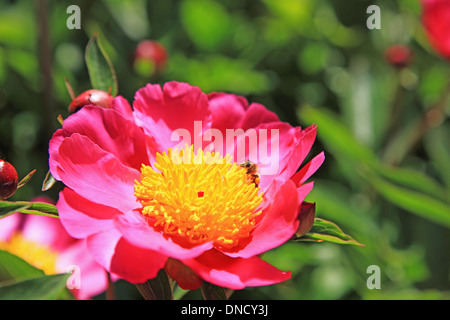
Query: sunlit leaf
{"points": [[413, 201], [25, 180], [336, 135], [38, 288], [14, 268], [206, 22], [324, 230], [39, 208], [412, 179], [49, 181], [9, 207], [101, 71]]}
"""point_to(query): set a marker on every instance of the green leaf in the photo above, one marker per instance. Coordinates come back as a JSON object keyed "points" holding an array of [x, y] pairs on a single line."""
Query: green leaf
{"points": [[413, 201], [336, 135], [324, 230], [101, 71], [39, 208], [15, 268], [340, 141], [213, 292], [8, 207], [38, 288], [206, 22], [437, 145], [157, 288], [412, 179], [26, 179]]}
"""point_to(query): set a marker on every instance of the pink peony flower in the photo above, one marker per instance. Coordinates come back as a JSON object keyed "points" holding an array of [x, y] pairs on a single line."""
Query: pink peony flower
{"points": [[161, 185], [436, 21], [43, 242]]}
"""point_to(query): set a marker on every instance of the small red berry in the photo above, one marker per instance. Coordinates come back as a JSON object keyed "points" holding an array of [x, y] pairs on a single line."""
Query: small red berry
{"points": [[399, 56], [149, 57], [94, 97], [8, 179]]}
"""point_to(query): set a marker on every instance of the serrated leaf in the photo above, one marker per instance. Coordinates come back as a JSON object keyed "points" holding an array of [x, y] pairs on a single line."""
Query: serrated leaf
{"points": [[101, 71], [324, 230], [38, 288]]}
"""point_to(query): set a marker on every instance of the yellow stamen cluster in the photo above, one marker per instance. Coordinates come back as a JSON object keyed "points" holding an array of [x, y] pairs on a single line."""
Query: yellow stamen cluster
{"points": [[199, 197]]}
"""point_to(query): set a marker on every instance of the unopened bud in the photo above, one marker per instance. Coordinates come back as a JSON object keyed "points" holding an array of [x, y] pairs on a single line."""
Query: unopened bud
{"points": [[8, 180], [306, 217], [149, 57], [91, 97], [399, 56]]}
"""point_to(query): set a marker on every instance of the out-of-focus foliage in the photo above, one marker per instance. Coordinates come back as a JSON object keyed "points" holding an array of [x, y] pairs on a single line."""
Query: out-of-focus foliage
{"points": [[309, 61]]}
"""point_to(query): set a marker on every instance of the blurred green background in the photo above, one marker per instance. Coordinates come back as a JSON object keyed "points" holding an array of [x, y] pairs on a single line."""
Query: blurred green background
{"points": [[384, 181]]}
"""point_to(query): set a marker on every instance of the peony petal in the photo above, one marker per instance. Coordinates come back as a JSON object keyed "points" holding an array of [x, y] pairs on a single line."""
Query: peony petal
{"points": [[136, 265], [95, 174], [436, 21], [137, 231], [268, 146], [81, 217], [107, 129], [121, 105], [256, 115], [53, 151], [93, 277], [227, 110], [8, 225], [117, 256], [235, 273], [278, 224], [301, 176], [172, 111], [47, 231], [304, 142], [102, 246], [304, 190]]}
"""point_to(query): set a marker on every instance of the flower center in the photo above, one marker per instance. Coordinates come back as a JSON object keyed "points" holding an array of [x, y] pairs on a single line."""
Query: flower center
{"points": [[37, 255], [199, 197]]}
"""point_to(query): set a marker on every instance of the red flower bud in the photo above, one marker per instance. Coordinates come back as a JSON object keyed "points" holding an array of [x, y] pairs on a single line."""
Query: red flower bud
{"points": [[306, 217], [149, 57], [8, 179], [91, 97], [399, 56]]}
